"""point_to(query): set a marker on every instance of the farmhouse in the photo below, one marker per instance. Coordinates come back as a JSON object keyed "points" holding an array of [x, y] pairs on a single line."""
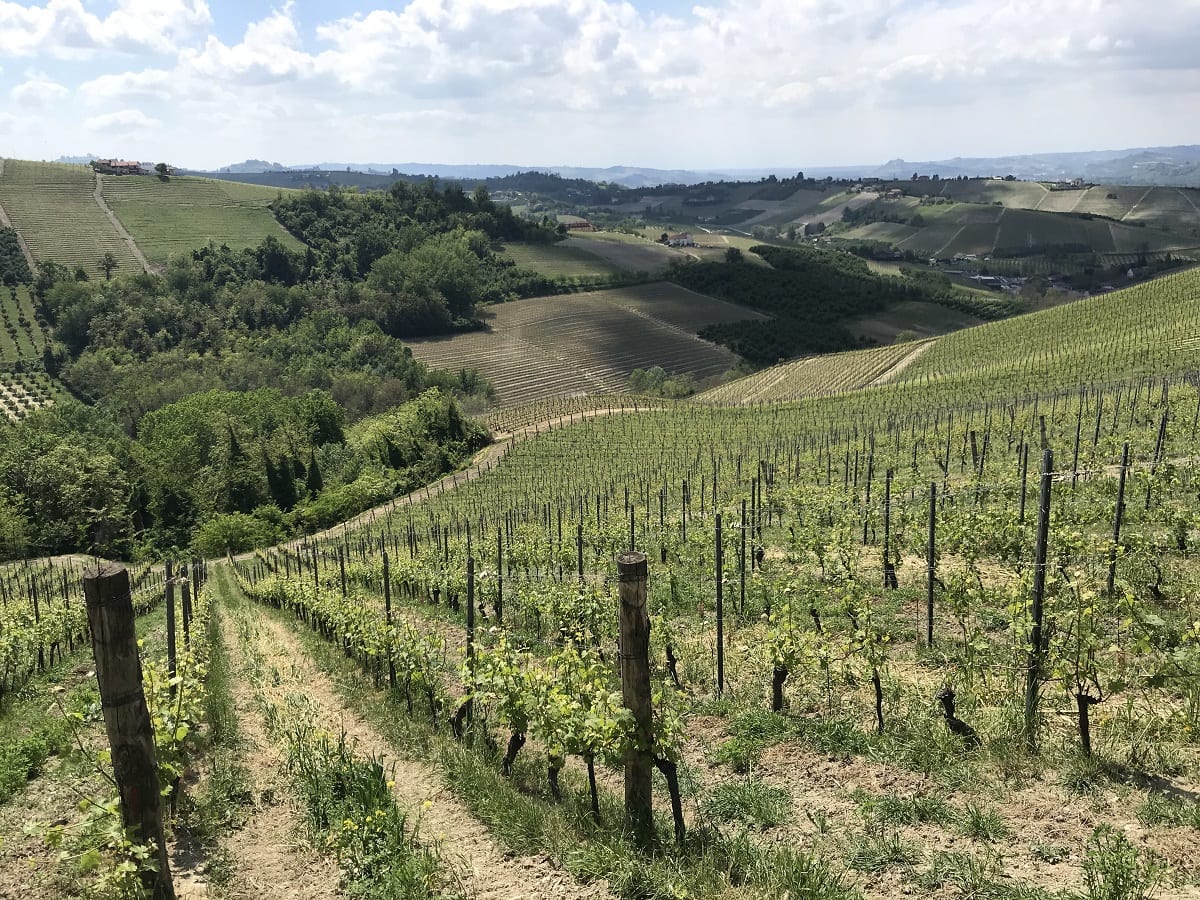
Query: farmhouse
{"points": [[683, 239], [117, 167]]}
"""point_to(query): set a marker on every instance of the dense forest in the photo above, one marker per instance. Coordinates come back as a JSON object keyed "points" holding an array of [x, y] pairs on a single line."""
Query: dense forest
{"points": [[241, 396], [812, 293]]}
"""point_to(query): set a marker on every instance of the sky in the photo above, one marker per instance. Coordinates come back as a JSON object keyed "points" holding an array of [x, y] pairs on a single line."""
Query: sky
{"points": [[661, 83]]}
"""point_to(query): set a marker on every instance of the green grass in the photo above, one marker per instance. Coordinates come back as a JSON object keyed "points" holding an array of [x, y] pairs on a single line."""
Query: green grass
{"points": [[750, 801], [184, 213]]}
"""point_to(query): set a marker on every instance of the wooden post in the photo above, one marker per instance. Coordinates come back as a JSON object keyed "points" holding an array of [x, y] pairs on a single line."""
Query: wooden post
{"points": [[1033, 668], [889, 570], [635, 693], [1117, 517], [387, 613], [742, 563], [720, 555], [498, 607], [172, 660], [185, 599], [931, 563], [126, 717]]}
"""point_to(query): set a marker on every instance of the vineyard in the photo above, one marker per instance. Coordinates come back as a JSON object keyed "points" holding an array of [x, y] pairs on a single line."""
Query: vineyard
{"points": [[54, 207], [818, 376], [560, 260], [918, 620], [184, 213], [587, 343]]}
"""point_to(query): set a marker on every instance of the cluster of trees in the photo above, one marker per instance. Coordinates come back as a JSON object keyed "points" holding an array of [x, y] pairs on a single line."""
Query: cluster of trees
{"points": [[216, 471], [810, 292], [881, 211], [220, 319], [13, 267], [655, 382]]}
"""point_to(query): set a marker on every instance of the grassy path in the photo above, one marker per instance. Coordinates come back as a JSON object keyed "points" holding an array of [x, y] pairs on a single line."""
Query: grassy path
{"points": [[121, 232], [287, 681]]}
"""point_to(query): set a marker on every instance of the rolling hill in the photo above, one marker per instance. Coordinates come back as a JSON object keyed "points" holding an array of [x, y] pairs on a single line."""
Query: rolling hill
{"points": [[183, 213]]}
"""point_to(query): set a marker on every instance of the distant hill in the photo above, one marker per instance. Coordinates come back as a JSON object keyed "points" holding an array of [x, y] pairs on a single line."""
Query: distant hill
{"points": [[1168, 166]]}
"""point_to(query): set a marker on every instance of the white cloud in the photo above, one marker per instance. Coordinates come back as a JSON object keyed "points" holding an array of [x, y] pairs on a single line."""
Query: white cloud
{"points": [[65, 29], [38, 91], [125, 120], [537, 78]]}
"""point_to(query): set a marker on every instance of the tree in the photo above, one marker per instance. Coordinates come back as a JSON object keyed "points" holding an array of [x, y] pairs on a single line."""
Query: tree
{"points": [[733, 255], [163, 170], [107, 263]]}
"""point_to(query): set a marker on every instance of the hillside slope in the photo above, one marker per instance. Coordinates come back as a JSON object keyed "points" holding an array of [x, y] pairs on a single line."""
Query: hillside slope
{"points": [[55, 210], [184, 213]]}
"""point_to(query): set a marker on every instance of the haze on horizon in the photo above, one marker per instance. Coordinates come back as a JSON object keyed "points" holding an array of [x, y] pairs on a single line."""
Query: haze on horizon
{"points": [[663, 83]]}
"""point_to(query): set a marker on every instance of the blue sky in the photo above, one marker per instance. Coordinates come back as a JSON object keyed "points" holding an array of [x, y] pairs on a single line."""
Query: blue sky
{"points": [[723, 83]]}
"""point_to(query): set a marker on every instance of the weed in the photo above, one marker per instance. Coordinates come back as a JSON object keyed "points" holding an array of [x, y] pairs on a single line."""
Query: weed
{"points": [[982, 824], [1049, 853], [751, 801], [871, 852], [1114, 869], [1160, 809], [890, 809]]}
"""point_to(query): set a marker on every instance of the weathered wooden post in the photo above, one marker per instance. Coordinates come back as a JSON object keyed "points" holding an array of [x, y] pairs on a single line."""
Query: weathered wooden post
{"points": [[126, 717], [1037, 650], [720, 574], [931, 564], [635, 693], [387, 612], [185, 602], [172, 659], [1118, 515]]}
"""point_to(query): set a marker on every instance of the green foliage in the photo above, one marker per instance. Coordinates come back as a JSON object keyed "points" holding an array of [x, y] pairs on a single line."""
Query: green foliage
{"points": [[234, 533], [13, 267], [1114, 869], [350, 810], [654, 382]]}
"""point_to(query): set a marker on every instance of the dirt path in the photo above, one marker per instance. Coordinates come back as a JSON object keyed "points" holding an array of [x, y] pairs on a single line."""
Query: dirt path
{"points": [[116, 223], [902, 364], [487, 872], [269, 861], [6, 222], [1137, 204]]}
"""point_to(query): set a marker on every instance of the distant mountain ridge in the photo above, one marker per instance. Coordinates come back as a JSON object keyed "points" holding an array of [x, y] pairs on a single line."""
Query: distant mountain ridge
{"points": [[1167, 166]]}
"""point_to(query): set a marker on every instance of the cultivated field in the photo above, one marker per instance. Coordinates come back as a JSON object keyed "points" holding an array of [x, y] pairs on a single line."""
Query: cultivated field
{"points": [[588, 343], [54, 208], [569, 259], [23, 336], [626, 252], [21, 392], [817, 376], [184, 213]]}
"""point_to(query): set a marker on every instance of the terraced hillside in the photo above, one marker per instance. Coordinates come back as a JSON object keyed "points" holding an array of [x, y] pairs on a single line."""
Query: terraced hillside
{"points": [[588, 343], [183, 213], [818, 376], [54, 208]]}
